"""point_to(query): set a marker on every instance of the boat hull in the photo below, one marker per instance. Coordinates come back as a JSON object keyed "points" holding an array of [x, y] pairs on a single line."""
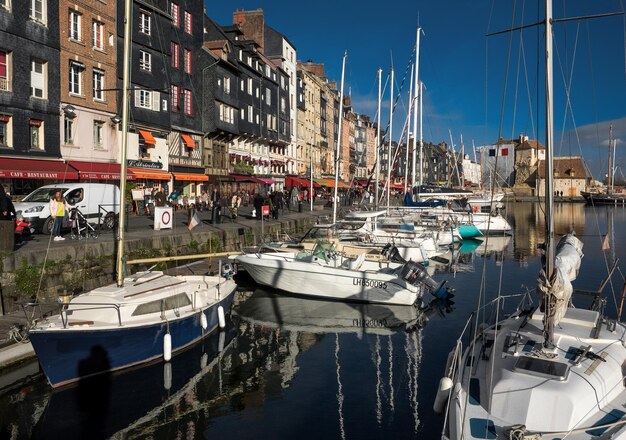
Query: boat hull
{"points": [[327, 282], [69, 355]]}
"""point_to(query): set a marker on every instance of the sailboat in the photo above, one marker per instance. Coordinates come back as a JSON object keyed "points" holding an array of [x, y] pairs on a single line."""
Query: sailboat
{"points": [[610, 197], [140, 318], [549, 372]]}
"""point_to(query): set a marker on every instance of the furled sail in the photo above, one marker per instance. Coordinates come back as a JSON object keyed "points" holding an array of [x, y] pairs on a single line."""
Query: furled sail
{"points": [[558, 290]]}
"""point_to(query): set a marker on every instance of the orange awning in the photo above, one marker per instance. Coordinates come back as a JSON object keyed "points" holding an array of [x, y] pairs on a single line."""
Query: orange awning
{"points": [[147, 137], [188, 140], [193, 177], [142, 173], [331, 183]]}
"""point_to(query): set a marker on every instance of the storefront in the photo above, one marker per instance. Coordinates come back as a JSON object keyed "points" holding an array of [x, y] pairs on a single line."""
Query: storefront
{"points": [[100, 172], [25, 175]]}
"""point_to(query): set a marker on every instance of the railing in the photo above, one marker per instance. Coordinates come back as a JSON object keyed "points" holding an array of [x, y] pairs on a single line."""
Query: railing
{"points": [[63, 309]]}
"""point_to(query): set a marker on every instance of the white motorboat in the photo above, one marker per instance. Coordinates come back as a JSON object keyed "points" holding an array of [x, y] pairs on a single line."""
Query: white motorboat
{"points": [[325, 274]]}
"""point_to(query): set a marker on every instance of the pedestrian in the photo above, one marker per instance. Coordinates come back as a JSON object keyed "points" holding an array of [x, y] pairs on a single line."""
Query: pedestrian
{"points": [[258, 205], [235, 202], [7, 210], [204, 197], [275, 203], [287, 200], [58, 211], [216, 204]]}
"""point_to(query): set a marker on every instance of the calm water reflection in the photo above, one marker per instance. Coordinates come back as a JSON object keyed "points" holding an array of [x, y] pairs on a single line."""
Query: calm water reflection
{"points": [[296, 368]]}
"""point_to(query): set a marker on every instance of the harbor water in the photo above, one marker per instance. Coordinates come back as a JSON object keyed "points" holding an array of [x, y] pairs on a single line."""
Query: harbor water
{"points": [[289, 367]]}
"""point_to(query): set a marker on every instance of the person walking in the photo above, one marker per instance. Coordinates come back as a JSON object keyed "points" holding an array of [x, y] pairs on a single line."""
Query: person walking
{"points": [[258, 205], [58, 210], [216, 204], [7, 210]]}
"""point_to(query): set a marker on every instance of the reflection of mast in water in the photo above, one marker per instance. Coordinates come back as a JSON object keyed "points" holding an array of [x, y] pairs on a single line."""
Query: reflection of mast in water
{"points": [[339, 389], [379, 384], [391, 391], [413, 349]]}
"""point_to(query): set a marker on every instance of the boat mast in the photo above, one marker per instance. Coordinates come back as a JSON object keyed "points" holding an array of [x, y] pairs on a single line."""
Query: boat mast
{"points": [[120, 266], [337, 151], [312, 150], [408, 137], [380, 74], [610, 176], [418, 85], [421, 98], [549, 169], [389, 159]]}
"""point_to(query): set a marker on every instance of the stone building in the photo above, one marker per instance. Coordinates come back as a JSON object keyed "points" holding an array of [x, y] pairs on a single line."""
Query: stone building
{"points": [[528, 153], [570, 176]]}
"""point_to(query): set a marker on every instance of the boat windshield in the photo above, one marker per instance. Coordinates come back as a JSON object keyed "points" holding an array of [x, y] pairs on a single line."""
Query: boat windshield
{"points": [[42, 194], [322, 250]]}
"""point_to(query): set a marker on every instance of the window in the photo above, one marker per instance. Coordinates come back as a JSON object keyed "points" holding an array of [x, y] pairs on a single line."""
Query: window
{"points": [[144, 22], [5, 71], [175, 96], [283, 104], [38, 10], [75, 25], [98, 85], [98, 134], [6, 5], [250, 114], [143, 99], [36, 134], [145, 61], [188, 102], [5, 131], [68, 132], [175, 55], [175, 11], [187, 22], [38, 76], [242, 114], [98, 35], [76, 78], [249, 86], [227, 85], [227, 114], [268, 96], [243, 85], [187, 60]]}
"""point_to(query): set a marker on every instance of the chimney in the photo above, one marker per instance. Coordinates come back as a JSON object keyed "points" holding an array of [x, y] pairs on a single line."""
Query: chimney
{"points": [[252, 24]]}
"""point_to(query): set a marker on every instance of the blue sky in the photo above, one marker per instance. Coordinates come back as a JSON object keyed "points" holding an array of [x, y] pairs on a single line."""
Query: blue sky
{"points": [[465, 72]]}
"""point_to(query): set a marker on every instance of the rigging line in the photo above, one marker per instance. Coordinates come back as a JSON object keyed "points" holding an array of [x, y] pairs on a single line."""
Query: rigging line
{"points": [[519, 56], [530, 103]]}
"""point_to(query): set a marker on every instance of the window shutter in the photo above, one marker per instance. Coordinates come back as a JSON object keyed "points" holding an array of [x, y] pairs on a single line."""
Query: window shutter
{"points": [[137, 98], [156, 101]]}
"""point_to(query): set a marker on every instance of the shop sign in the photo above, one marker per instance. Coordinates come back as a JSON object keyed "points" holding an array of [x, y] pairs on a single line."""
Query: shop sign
{"points": [[144, 164], [185, 161]]}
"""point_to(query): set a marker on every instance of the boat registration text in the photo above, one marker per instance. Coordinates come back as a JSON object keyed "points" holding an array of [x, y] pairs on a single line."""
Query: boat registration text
{"points": [[369, 283]]}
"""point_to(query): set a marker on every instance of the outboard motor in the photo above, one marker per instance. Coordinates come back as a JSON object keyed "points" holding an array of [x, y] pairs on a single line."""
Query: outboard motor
{"points": [[415, 273], [391, 253]]}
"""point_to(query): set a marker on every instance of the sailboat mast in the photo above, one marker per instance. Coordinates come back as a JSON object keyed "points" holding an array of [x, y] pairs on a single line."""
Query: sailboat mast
{"points": [[418, 86], [389, 159], [120, 266], [408, 137], [609, 173], [338, 150], [421, 98], [549, 173], [380, 74]]}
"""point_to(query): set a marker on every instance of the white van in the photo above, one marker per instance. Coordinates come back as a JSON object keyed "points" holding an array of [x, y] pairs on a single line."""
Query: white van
{"points": [[94, 200]]}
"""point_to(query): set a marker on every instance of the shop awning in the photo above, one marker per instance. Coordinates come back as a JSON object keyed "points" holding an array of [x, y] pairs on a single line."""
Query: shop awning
{"points": [[291, 181], [141, 173], [188, 140], [147, 137], [36, 169], [99, 171], [191, 177], [245, 179], [396, 186], [330, 183], [265, 180]]}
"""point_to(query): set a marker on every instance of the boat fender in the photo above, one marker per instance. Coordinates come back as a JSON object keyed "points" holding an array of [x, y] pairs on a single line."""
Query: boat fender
{"points": [[476, 208], [449, 361], [221, 341], [445, 384], [221, 318], [167, 376], [203, 322], [204, 361], [167, 347]]}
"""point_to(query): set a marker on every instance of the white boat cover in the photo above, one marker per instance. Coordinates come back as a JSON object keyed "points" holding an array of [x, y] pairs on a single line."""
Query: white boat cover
{"points": [[569, 253]]}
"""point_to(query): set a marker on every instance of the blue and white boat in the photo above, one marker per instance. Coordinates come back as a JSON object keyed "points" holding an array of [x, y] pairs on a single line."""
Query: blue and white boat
{"points": [[111, 328]]}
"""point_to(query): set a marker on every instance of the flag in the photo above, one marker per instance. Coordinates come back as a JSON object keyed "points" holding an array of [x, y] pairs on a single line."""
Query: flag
{"points": [[492, 152], [504, 152], [605, 243], [195, 220]]}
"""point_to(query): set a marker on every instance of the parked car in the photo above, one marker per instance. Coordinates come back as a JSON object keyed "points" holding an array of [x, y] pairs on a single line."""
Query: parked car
{"points": [[96, 201]]}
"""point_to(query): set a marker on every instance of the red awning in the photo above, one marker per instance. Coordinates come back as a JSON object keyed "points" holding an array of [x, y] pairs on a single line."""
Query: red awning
{"points": [[36, 169], [265, 180], [188, 140], [191, 177], [291, 181], [244, 179], [100, 171], [147, 137]]}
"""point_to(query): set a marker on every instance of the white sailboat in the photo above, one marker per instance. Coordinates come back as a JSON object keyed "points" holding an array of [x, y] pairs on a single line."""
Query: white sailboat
{"points": [[140, 318], [553, 372]]}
